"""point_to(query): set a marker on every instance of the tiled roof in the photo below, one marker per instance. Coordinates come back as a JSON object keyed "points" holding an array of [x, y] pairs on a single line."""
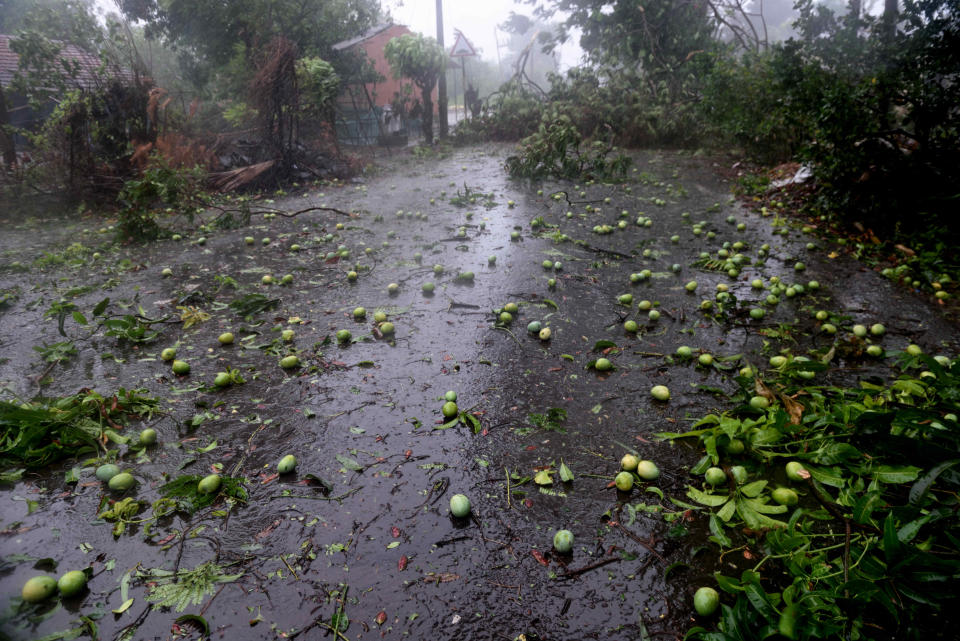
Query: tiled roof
{"points": [[366, 35], [8, 61], [89, 64]]}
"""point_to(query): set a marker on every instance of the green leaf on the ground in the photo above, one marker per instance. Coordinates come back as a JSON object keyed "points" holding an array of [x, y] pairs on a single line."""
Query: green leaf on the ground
{"points": [[710, 500], [349, 463], [124, 607]]}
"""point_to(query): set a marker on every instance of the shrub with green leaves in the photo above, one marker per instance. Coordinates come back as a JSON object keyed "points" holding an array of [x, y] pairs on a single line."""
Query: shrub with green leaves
{"points": [[161, 191], [511, 113], [600, 101], [869, 103], [871, 549], [319, 87], [745, 102], [421, 60], [558, 149]]}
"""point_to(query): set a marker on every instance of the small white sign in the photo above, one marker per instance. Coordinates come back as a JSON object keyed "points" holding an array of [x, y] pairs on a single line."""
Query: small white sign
{"points": [[462, 47]]}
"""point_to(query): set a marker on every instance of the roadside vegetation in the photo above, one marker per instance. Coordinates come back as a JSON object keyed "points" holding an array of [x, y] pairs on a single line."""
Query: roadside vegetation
{"points": [[865, 102], [839, 503]]}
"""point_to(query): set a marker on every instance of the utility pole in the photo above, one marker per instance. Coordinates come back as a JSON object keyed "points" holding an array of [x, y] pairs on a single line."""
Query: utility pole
{"points": [[496, 39], [442, 81]]}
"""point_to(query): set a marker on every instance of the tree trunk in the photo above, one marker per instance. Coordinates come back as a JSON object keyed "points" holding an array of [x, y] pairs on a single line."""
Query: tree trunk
{"points": [[7, 146], [427, 115], [888, 35], [891, 12], [854, 12]]}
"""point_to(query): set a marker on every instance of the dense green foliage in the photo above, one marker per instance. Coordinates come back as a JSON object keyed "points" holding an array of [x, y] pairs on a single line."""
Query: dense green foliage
{"points": [[160, 192], [224, 67], [657, 37], [745, 103], [600, 102], [33, 435], [640, 83], [41, 30], [209, 33], [69, 21], [319, 86], [870, 551], [511, 113], [873, 113], [869, 103], [88, 134], [626, 106], [86, 117]]}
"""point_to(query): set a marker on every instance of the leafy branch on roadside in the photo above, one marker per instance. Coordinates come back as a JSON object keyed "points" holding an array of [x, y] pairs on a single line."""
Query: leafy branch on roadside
{"points": [[250, 305], [466, 418], [189, 499], [41, 432], [877, 514], [557, 149], [469, 197], [552, 421], [184, 588], [135, 328]]}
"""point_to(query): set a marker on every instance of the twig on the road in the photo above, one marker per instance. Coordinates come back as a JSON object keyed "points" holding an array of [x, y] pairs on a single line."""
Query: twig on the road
{"points": [[303, 211], [455, 305], [203, 610], [455, 539], [600, 250], [566, 197], [38, 380], [593, 566], [504, 329], [646, 544]]}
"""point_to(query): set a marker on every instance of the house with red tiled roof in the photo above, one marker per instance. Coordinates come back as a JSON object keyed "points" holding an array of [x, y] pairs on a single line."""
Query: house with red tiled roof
{"points": [[89, 66], [88, 72], [372, 43]]}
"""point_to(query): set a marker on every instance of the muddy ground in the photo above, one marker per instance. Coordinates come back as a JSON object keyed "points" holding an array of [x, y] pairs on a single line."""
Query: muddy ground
{"points": [[379, 546]]}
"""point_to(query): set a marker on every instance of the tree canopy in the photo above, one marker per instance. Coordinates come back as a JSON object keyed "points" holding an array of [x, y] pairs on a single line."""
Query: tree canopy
{"points": [[213, 29], [422, 60], [656, 34], [416, 57], [69, 21]]}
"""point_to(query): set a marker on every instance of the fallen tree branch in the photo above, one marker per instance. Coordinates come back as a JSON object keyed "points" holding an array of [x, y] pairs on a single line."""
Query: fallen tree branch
{"points": [[832, 507], [339, 499]]}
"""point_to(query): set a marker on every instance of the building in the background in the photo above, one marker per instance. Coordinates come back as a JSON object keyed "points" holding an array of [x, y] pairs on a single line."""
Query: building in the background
{"points": [[373, 105], [72, 68]]}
